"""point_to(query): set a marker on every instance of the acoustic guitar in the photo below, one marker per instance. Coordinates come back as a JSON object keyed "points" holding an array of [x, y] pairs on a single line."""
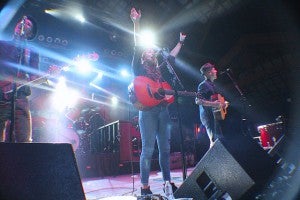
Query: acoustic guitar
{"points": [[219, 113], [145, 93]]}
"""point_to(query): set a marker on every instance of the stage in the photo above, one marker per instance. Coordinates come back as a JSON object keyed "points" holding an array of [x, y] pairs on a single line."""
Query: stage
{"points": [[126, 185]]}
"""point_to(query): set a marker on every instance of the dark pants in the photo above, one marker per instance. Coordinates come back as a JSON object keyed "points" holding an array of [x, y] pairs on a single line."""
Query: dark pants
{"points": [[23, 123]]}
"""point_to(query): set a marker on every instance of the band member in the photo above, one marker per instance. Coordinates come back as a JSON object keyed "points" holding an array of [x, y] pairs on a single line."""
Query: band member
{"points": [[15, 58], [207, 103], [154, 123]]}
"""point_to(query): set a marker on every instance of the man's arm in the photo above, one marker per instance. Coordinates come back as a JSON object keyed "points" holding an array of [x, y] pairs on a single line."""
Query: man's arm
{"points": [[178, 46], [215, 104], [204, 100]]}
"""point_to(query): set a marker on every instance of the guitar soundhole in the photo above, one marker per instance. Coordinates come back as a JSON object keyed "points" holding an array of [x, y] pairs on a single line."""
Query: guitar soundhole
{"points": [[158, 96]]}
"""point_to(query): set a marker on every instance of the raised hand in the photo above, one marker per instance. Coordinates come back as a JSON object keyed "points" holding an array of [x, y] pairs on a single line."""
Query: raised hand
{"points": [[182, 37], [135, 15]]}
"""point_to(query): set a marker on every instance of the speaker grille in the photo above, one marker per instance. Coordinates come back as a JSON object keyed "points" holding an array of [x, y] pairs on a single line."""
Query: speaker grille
{"points": [[228, 167], [39, 171]]}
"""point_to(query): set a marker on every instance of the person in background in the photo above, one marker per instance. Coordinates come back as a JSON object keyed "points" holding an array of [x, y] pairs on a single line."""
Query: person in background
{"points": [[207, 104], [16, 57]]}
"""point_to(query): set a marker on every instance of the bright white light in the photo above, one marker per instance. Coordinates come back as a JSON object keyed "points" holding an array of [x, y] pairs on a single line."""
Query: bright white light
{"points": [[114, 101], [147, 38], [83, 66], [61, 80], [54, 12], [125, 73], [99, 76], [64, 97], [80, 18]]}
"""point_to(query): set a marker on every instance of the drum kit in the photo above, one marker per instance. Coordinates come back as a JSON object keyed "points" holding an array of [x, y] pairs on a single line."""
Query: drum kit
{"points": [[270, 133], [75, 128]]}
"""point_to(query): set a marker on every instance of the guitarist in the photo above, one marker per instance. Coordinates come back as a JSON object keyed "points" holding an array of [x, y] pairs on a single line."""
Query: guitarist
{"points": [[16, 57], [154, 122], [207, 90]]}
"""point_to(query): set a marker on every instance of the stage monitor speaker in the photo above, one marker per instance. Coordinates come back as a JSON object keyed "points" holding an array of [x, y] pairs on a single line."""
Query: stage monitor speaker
{"points": [[39, 171], [233, 167]]}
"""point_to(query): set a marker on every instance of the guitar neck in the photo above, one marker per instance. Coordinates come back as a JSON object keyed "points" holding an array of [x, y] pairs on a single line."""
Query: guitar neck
{"points": [[181, 93]]}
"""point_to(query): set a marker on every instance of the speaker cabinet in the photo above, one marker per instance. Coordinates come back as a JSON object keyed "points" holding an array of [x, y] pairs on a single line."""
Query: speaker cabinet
{"points": [[235, 166], [39, 171]]}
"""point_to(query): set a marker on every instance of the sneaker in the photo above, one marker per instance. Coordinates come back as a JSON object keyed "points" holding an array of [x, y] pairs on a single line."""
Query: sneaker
{"points": [[174, 187], [146, 191]]}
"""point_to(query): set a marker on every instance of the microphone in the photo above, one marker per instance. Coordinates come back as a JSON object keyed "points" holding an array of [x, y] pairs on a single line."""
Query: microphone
{"points": [[163, 52], [225, 71], [22, 33]]}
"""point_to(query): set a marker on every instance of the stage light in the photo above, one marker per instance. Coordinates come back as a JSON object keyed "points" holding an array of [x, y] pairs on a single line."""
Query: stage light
{"points": [[80, 18], [48, 11], [83, 66], [64, 42], [125, 73], [41, 37], [114, 101], [54, 12], [61, 81], [49, 39], [147, 38], [99, 76], [64, 97]]}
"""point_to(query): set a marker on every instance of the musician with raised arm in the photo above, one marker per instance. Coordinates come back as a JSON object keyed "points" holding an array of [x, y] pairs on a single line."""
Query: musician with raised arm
{"points": [[154, 122], [212, 106], [17, 60]]}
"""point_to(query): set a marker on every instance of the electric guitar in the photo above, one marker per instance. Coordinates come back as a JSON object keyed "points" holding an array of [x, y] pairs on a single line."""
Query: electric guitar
{"points": [[6, 91], [145, 93]]}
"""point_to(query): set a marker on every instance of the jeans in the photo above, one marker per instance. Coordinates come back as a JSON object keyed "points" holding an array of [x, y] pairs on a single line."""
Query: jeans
{"points": [[23, 126], [155, 125]]}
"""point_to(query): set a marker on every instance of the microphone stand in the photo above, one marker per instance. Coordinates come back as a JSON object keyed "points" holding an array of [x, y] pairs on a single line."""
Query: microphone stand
{"points": [[175, 80], [243, 99]]}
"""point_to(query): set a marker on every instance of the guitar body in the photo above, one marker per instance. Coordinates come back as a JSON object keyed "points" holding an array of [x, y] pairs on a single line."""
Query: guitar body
{"points": [[219, 113], [149, 93], [145, 93]]}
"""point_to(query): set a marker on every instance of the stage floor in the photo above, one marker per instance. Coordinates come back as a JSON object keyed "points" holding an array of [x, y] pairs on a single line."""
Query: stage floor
{"points": [[127, 185]]}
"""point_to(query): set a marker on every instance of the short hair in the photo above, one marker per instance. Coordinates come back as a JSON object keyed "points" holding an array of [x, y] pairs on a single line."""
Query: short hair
{"points": [[206, 68]]}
